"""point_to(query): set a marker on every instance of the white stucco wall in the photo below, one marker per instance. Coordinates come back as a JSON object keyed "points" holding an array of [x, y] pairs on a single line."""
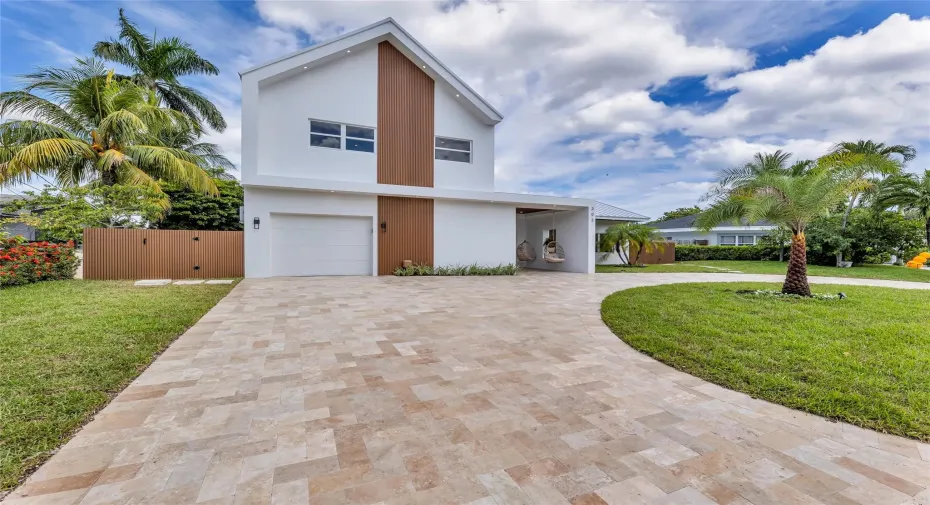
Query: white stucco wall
{"points": [[454, 120], [712, 237], [574, 232], [343, 91], [473, 232], [611, 258], [263, 203]]}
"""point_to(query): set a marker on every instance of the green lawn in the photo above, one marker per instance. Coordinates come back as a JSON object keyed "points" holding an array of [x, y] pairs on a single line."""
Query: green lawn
{"points": [[864, 360], [775, 267], [67, 347]]}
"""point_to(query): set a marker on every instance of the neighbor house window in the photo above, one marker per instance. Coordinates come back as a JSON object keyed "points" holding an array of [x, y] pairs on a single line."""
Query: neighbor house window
{"points": [[747, 240], [727, 239], [342, 136], [453, 149]]}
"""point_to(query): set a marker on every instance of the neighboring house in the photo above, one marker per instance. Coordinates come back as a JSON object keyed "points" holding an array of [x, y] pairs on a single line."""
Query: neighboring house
{"points": [[364, 151], [14, 228], [607, 215], [682, 231]]}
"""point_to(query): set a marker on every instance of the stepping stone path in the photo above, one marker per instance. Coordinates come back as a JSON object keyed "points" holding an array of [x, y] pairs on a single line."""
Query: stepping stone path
{"points": [[183, 282]]}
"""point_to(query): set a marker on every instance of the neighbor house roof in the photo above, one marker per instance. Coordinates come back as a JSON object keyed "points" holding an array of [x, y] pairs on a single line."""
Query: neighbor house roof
{"points": [[605, 211], [386, 29], [688, 222]]}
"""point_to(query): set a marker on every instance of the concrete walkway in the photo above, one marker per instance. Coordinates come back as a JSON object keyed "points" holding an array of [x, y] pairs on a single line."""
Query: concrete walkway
{"points": [[488, 390]]}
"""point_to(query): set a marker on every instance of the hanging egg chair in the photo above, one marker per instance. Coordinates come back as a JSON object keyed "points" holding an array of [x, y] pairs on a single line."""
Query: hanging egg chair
{"points": [[525, 251], [553, 252]]}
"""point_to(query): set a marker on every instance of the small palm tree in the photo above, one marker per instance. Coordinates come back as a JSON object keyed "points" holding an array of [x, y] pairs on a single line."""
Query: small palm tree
{"points": [[623, 237], [910, 193], [788, 198], [94, 129], [157, 64], [732, 178], [867, 162]]}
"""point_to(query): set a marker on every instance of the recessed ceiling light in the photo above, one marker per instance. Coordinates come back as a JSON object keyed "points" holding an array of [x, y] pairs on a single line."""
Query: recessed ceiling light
{"points": [[348, 50], [424, 66], [455, 94], [305, 68]]}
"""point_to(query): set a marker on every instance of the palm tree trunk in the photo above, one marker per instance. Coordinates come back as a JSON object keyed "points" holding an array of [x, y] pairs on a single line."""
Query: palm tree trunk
{"points": [[619, 248], [928, 232], [108, 178], [852, 203], [796, 279]]}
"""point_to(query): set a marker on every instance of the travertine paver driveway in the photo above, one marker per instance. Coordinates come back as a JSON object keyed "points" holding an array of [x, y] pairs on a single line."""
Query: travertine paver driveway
{"points": [[490, 391]]}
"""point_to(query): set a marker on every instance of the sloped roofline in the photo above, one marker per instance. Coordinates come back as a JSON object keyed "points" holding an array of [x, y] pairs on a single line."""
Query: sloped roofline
{"points": [[375, 31]]}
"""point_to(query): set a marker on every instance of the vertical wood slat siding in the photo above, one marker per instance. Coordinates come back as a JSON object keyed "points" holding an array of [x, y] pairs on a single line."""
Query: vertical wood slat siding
{"points": [[409, 234], [655, 257], [405, 120], [111, 253]]}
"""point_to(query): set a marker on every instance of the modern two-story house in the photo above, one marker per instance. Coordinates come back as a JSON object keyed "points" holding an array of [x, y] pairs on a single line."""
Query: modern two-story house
{"points": [[365, 151]]}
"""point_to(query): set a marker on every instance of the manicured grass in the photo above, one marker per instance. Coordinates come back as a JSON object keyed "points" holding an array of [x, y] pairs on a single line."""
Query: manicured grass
{"points": [[888, 272], [864, 360], [67, 347]]}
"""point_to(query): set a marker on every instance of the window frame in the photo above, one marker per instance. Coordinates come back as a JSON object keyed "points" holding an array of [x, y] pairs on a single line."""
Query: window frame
{"points": [[344, 137], [470, 151], [740, 242], [720, 239]]}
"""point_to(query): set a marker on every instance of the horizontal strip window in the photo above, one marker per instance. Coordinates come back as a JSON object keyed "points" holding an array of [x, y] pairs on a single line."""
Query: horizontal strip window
{"points": [[342, 136], [449, 149]]}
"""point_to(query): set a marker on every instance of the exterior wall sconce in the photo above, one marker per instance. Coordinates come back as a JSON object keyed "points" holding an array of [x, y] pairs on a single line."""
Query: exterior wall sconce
{"points": [[256, 222], [383, 226]]}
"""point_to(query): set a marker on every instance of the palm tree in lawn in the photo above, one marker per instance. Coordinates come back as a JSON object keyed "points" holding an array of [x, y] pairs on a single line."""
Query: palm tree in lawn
{"points": [[157, 64], [623, 237], [868, 162], [910, 193], [735, 177], [791, 198], [95, 129]]}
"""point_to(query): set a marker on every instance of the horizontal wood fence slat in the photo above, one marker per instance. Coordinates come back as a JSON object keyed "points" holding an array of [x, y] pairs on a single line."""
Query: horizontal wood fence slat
{"points": [[114, 253]]}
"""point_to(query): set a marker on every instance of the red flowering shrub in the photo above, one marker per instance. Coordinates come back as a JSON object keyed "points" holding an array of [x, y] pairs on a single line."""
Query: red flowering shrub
{"points": [[23, 263]]}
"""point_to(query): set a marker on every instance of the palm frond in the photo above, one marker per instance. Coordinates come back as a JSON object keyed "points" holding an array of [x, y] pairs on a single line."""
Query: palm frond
{"points": [[26, 103], [164, 163], [45, 155], [193, 103]]}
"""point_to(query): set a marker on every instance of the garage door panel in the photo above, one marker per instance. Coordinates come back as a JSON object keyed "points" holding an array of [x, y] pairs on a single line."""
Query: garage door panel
{"points": [[321, 245]]}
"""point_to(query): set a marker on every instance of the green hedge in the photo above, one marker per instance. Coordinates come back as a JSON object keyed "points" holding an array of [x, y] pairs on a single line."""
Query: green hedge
{"points": [[725, 252]]}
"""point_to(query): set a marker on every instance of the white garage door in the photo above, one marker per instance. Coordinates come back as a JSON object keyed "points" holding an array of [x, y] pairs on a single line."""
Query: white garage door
{"points": [[320, 245]]}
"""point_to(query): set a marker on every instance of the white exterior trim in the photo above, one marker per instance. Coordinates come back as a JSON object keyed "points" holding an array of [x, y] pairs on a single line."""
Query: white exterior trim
{"points": [[718, 229], [386, 29]]}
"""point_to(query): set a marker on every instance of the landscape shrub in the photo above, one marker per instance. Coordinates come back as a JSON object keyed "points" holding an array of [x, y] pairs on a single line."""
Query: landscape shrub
{"points": [[24, 263], [725, 252], [457, 270]]}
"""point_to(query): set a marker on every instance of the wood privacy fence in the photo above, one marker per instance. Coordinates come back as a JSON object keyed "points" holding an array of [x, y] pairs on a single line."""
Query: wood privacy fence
{"points": [[655, 257], [114, 253]]}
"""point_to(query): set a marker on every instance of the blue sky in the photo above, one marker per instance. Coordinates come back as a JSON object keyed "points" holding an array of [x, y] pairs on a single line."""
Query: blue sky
{"points": [[635, 104]]}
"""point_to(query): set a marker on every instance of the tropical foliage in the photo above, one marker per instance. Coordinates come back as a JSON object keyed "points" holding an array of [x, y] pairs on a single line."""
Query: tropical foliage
{"points": [[94, 129], [867, 162], [25, 263], [157, 64], [679, 212], [788, 196], [869, 237], [624, 237], [910, 193], [62, 214], [191, 210], [456, 270]]}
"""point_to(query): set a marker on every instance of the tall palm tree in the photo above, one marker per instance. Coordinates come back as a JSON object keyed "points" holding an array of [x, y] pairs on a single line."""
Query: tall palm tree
{"points": [[787, 198], [94, 129], [867, 162], [157, 64], [735, 177], [623, 237], [908, 192]]}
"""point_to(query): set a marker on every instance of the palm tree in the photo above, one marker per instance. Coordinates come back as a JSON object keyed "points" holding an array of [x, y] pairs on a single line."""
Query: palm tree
{"points": [[94, 129], [735, 177], [865, 161], [909, 193], [788, 198], [623, 237], [157, 64]]}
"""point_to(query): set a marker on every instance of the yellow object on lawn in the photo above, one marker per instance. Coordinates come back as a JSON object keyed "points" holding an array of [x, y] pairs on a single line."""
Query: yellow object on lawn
{"points": [[919, 260]]}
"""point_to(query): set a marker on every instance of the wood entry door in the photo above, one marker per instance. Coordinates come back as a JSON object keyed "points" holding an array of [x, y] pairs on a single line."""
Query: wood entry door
{"points": [[405, 232]]}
